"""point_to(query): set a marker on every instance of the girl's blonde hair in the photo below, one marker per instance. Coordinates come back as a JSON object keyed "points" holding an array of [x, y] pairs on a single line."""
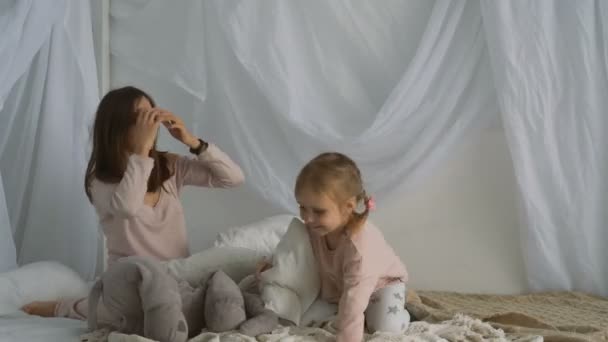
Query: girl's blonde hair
{"points": [[339, 177]]}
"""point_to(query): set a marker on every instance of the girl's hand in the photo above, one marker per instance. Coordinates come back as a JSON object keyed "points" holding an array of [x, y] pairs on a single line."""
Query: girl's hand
{"points": [[143, 134], [177, 129], [262, 266]]}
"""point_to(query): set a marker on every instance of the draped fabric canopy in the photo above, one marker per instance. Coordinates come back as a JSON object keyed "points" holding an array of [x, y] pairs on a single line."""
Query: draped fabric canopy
{"points": [[395, 85], [550, 62]]}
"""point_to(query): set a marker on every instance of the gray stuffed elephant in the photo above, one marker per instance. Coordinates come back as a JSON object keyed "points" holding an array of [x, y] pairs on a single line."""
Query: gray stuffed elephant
{"points": [[147, 301], [144, 297]]}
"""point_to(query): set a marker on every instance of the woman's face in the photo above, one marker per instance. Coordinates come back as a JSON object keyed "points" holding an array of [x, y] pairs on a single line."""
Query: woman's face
{"points": [[141, 106]]}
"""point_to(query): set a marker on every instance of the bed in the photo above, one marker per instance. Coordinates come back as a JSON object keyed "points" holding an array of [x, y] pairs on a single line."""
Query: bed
{"points": [[19, 327], [38, 281], [441, 316]]}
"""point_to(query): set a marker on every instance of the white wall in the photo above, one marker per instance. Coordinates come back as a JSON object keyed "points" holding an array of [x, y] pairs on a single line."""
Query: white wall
{"points": [[457, 230]]}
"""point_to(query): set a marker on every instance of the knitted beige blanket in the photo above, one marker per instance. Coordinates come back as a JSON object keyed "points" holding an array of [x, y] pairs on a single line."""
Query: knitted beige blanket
{"points": [[459, 329], [557, 316]]}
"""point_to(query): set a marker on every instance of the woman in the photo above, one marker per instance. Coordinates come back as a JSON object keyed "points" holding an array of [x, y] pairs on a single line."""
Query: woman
{"points": [[135, 188]]}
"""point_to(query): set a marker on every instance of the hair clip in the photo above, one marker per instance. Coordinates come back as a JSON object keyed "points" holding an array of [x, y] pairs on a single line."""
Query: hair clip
{"points": [[370, 204]]}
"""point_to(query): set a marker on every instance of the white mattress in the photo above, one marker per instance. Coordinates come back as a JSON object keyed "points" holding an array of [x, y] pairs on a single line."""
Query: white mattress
{"points": [[19, 327]]}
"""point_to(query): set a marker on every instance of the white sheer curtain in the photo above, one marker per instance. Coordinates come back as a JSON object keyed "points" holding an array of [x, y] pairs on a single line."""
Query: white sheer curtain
{"points": [[49, 94], [25, 26], [320, 76], [550, 62]]}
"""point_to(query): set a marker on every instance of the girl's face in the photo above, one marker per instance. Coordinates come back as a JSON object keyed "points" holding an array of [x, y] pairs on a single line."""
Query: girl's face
{"points": [[321, 213]]}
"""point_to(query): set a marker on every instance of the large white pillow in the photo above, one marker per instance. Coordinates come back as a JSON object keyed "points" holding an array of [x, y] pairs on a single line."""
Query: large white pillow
{"points": [[39, 281], [292, 284], [262, 236], [236, 262]]}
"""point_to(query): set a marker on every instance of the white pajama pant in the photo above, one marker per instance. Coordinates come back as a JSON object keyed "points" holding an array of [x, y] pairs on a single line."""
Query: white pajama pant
{"points": [[386, 310]]}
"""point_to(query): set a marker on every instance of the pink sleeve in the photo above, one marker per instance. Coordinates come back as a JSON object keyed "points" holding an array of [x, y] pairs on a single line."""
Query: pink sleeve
{"points": [[359, 284], [126, 198], [212, 168]]}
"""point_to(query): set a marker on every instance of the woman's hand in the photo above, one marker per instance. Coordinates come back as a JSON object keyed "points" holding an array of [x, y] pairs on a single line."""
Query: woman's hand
{"points": [[143, 134], [177, 129]]}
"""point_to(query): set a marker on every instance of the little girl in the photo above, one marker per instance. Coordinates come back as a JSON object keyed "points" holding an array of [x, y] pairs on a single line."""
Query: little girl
{"points": [[358, 268], [135, 188]]}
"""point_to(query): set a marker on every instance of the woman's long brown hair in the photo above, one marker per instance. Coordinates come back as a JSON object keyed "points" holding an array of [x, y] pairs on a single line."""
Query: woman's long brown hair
{"points": [[115, 115]]}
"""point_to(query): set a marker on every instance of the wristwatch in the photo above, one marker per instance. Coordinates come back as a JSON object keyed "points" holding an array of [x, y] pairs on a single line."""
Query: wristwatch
{"points": [[202, 147]]}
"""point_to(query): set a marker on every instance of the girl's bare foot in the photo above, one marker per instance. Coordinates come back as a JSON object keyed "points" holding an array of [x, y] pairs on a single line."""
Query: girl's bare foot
{"points": [[43, 309]]}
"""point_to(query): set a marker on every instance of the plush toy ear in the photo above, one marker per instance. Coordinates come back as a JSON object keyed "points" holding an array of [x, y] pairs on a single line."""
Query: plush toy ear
{"points": [[224, 305], [161, 303], [254, 305], [193, 306], [261, 320]]}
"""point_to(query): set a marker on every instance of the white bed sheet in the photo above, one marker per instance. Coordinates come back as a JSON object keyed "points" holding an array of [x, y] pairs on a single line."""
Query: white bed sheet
{"points": [[20, 327]]}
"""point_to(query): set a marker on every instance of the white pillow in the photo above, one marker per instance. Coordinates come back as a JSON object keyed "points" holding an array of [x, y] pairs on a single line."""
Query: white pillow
{"points": [[319, 312], [39, 281], [236, 262], [292, 284], [262, 236]]}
